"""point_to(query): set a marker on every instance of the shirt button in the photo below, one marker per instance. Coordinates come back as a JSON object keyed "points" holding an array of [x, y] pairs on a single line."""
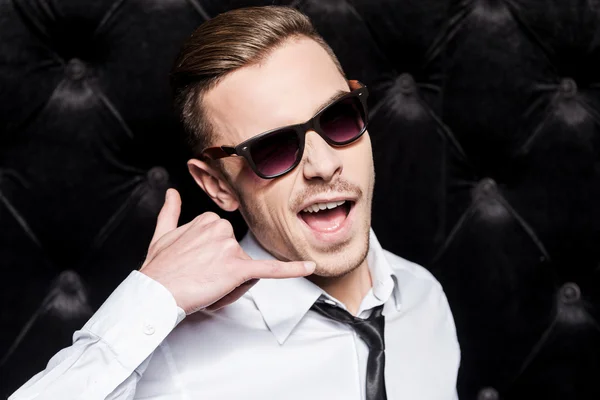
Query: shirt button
{"points": [[149, 329]]}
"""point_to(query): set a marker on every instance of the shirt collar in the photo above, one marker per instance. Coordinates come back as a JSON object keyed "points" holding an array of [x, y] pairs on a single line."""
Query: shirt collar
{"points": [[284, 302], [385, 282]]}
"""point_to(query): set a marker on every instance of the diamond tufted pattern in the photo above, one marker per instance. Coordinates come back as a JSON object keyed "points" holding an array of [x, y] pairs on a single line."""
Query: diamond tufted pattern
{"points": [[485, 118]]}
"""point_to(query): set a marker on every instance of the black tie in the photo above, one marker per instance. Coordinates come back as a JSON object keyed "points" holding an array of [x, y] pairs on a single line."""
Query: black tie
{"points": [[370, 330]]}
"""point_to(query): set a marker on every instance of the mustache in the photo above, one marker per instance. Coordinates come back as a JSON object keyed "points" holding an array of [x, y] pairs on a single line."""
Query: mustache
{"points": [[340, 186]]}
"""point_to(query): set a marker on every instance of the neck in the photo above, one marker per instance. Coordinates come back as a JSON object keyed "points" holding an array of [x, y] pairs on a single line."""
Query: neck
{"points": [[350, 289]]}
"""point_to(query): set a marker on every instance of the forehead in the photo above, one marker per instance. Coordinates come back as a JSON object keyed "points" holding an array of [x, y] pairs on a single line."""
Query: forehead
{"points": [[287, 87]]}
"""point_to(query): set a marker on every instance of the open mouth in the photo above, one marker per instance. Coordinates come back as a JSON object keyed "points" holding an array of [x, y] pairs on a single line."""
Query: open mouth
{"points": [[326, 217]]}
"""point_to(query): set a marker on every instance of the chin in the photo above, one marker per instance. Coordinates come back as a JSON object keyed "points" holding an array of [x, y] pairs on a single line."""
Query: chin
{"points": [[333, 272], [343, 259]]}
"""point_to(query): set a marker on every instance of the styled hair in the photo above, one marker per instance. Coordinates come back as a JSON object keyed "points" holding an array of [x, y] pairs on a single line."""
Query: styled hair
{"points": [[223, 44]]}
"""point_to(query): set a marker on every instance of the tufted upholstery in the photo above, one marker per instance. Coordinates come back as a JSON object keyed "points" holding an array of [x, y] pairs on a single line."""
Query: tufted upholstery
{"points": [[485, 119]]}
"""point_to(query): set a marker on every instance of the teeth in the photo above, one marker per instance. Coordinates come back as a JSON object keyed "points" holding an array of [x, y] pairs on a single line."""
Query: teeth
{"points": [[323, 206]]}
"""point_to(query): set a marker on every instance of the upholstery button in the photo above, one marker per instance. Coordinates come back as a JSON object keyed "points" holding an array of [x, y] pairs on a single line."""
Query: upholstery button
{"points": [[70, 282], [158, 175], [570, 293], [485, 195], [568, 87], [488, 394], [149, 329], [406, 83], [488, 185], [75, 69]]}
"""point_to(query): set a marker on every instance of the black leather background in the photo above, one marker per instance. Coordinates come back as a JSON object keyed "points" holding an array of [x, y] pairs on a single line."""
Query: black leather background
{"points": [[485, 123]]}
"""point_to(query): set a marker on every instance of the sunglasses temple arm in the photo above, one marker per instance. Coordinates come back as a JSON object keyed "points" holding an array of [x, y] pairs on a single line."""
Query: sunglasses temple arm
{"points": [[215, 153]]}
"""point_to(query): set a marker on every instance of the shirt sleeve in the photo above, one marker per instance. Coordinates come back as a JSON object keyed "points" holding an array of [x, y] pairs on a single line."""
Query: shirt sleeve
{"points": [[447, 320], [112, 350]]}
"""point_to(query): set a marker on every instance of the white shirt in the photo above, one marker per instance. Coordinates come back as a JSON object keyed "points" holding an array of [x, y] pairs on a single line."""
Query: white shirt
{"points": [[267, 345]]}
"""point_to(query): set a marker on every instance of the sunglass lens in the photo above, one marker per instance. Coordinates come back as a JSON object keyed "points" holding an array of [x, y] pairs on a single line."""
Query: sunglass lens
{"points": [[343, 121], [275, 153]]}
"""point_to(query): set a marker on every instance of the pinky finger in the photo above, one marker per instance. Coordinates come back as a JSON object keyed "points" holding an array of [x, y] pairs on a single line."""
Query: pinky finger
{"points": [[233, 296]]}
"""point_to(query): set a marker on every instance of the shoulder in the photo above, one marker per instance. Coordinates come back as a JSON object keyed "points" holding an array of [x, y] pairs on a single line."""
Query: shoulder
{"points": [[422, 299]]}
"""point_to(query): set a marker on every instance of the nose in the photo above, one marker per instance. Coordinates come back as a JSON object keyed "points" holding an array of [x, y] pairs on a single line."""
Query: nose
{"points": [[321, 161]]}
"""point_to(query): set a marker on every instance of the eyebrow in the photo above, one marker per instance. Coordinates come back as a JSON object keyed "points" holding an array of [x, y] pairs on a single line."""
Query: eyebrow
{"points": [[337, 95]]}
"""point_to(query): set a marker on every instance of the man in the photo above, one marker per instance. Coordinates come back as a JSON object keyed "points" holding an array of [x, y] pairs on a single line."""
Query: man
{"points": [[299, 309]]}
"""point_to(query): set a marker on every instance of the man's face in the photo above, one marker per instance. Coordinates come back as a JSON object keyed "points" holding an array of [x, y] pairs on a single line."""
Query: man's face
{"points": [[289, 87]]}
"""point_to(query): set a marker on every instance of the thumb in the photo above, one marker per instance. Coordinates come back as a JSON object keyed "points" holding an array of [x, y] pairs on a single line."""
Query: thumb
{"points": [[168, 216], [274, 269]]}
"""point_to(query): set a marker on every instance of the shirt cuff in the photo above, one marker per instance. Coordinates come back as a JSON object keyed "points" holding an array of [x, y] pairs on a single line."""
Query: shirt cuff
{"points": [[136, 318]]}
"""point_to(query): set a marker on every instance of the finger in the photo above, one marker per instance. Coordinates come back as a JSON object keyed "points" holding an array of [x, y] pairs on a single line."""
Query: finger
{"points": [[205, 219], [274, 269], [233, 296], [219, 228], [168, 216], [198, 224]]}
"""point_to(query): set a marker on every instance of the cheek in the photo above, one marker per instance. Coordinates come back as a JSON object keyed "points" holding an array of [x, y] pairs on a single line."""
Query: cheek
{"points": [[268, 199], [367, 150], [358, 162], [248, 178]]}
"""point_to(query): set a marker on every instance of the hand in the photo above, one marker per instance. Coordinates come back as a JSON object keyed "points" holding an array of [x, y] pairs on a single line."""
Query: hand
{"points": [[202, 264]]}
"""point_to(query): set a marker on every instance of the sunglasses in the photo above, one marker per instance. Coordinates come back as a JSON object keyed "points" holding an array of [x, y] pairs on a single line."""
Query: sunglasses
{"points": [[276, 152]]}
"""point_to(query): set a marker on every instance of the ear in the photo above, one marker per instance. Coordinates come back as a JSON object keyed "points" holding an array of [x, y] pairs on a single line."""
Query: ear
{"points": [[214, 184]]}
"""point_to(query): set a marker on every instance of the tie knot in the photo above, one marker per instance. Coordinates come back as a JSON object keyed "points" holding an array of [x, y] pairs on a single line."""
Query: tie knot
{"points": [[370, 330]]}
